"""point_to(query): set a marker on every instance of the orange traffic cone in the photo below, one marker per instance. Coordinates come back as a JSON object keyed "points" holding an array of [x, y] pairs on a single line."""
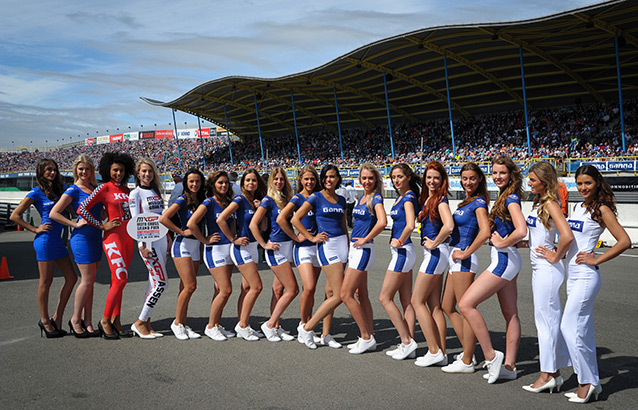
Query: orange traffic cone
{"points": [[4, 269]]}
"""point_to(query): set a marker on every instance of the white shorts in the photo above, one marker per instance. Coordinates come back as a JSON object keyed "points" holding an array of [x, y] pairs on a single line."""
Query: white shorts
{"points": [[241, 255], [283, 255], [506, 262], [403, 258], [435, 261], [335, 250], [470, 264], [217, 255], [186, 248], [305, 254], [362, 258]]}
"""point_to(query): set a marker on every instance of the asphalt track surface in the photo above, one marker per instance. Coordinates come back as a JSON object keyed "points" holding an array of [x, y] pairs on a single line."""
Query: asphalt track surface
{"points": [[168, 373]]}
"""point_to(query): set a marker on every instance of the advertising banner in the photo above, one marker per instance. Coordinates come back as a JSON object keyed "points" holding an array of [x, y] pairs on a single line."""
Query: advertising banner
{"points": [[103, 139], [132, 136], [147, 135], [205, 133], [115, 138], [161, 134], [89, 141]]}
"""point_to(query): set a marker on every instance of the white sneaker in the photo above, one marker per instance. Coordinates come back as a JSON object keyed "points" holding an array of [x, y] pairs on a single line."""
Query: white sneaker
{"points": [[363, 346], [317, 339], [215, 333], [284, 335], [191, 333], [393, 351], [256, 332], [459, 356], [301, 325], [270, 332], [406, 351], [330, 341], [494, 366], [458, 367], [179, 331], [504, 374], [353, 345], [245, 333], [307, 337], [430, 359], [225, 332]]}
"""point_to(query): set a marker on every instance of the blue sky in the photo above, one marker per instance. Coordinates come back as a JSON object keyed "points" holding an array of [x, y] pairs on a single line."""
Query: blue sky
{"points": [[69, 68]]}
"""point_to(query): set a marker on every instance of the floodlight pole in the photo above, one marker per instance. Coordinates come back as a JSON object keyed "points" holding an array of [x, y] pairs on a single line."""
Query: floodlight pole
{"points": [[261, 144], [529, 146], [387, 109], [294, 117], [622, 119], [449, 105], [199, 125], [230, 150], [334, 91], [179, 155]]}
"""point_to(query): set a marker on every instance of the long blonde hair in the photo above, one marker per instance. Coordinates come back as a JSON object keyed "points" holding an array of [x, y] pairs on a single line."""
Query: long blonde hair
{"points": [[546, 173], [378, 185], [87, 160], [282, 197], [156, 183]]}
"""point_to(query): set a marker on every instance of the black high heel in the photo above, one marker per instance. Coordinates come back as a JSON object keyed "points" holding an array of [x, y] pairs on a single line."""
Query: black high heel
{"points": [[94, 333], [55, 326], [123, 333], [82, 335], [107, 336], [50, 335]]}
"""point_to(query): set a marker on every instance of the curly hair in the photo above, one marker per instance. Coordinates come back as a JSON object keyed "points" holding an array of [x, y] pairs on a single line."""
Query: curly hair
{"points": [[193, 199], [514, 186], [52, 189], [84, 159], [282, 197], [603, 195], [222, 199], [378, 184], [116, 157], [415, 184], [481, 190], [313, 171], [546, 174], [259, 193], [431, 209]]}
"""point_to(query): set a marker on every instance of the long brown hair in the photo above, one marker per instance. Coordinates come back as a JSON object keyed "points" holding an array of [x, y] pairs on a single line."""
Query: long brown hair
{"points": [[546, 173], [222, 199], [415, 185], [514, 186], [603, 195], [52, 189], [193, 199], [431, 208], [481, 190], [260, 193], [378, 185]]}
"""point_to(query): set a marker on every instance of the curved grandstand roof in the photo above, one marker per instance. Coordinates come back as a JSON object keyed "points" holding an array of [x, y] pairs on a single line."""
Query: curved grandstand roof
{"points": [[568, 57]]}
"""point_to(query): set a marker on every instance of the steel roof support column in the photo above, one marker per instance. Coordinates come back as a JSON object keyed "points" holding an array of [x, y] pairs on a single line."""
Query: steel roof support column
{"points": [[261, 144], [529, 146], [230, 150], [449, 106], [199, 125], [334, 91], [179, 155], [294, 118], [387, 109], [622, 119]]}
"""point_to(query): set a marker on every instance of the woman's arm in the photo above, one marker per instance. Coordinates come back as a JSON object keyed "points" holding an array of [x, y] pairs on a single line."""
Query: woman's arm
{"points": [[165, 219], [520, 228], [193, 225], [283, 222], [566, 235], [56, 213], [296, 222], [255, 223], [618, 232], [408, 206], [16, 217], [446, 229], [223, 225], [382, 221]]}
